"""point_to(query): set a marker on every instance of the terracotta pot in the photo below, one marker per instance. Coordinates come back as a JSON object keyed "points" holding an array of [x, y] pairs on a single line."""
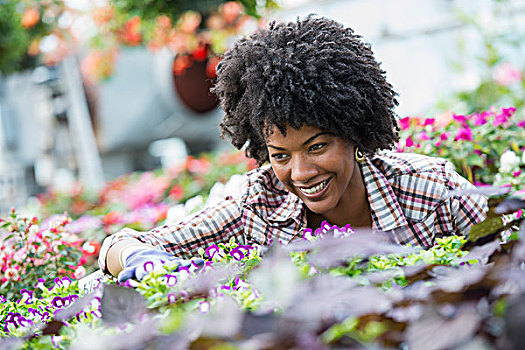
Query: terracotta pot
{"points": [[193, 88]]}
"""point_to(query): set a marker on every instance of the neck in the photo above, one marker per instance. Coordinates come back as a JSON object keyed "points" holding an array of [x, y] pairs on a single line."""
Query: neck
{"points": [[353, 208]]}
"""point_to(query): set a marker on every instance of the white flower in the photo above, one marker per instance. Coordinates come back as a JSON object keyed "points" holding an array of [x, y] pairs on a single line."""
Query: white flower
{"points": [[11, 274], [523, 158], [508, 161], [79, 272]]}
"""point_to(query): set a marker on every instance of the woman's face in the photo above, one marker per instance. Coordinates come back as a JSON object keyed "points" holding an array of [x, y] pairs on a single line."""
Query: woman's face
{"points": [[317, 166]]}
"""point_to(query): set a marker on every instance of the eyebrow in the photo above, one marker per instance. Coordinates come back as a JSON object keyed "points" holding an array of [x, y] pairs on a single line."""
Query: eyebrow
{"points": [[305, 142]]}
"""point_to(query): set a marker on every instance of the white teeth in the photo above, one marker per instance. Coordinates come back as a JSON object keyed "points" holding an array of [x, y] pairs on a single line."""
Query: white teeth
{"points": [[315, 189]]}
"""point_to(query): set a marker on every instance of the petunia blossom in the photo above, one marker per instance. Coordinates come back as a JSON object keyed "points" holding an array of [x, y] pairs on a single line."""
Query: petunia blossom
{"points": [[464, 133]]}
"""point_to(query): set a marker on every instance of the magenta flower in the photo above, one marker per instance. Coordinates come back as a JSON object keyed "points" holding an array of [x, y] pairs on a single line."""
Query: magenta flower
{"points": [[212, 250], [423, 136], [464, 134], [404, 123], [480, 118], [237, 254], [515, 174], [460, 118], [428, 121], [444, 136], [478, 152], [409, 142]]}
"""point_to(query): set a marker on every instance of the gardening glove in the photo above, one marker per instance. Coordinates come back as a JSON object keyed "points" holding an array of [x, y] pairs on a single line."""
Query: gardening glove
{"points": [[141, 262]]}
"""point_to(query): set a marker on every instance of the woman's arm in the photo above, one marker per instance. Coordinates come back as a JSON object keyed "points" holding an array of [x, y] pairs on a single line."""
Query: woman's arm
{"points": [[118, 252], [211, 225]]}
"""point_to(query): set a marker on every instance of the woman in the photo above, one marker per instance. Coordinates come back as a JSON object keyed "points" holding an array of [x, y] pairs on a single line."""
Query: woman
{"points": [[309, 98]]}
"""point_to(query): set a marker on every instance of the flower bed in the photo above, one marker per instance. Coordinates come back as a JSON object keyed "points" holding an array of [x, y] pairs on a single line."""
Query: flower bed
{"points": [[333, 289]]}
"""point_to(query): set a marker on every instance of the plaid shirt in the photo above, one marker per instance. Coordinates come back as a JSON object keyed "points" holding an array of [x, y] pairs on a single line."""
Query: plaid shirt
{"points": [[408, 195]]}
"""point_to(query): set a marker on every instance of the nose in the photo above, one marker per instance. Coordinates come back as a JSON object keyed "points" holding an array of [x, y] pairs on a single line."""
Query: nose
{"points": [[302, 170]]}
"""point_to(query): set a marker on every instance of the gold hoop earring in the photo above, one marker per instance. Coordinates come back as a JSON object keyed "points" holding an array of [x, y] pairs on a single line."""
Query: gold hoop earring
{"points": [[359, 156]]}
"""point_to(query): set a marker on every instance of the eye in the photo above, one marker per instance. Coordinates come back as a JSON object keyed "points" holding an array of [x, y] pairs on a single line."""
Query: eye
{"points": [[317, 147], [279, 156]]}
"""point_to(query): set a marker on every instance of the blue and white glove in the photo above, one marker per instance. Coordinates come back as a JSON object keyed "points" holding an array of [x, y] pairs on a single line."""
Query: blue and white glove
{"points": [[143, 261]]}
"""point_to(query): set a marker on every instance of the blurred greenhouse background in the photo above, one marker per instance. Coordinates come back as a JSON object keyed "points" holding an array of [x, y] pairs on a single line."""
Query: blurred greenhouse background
{"points": [[101, 94]]}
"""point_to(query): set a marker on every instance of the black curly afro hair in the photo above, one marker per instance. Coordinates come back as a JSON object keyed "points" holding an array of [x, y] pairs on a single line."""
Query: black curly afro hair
{"points": [[312, 71]]}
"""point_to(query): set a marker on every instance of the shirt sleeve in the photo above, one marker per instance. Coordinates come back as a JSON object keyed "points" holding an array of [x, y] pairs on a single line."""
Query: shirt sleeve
{"points": [[210, 225], [467, 210]]}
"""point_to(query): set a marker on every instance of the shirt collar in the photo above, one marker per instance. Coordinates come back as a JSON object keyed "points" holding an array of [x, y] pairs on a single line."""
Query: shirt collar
{"points": [[386, 211]]}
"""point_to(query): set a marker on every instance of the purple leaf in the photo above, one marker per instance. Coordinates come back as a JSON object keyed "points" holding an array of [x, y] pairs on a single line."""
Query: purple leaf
{"points": [[75, 308], [482, 253], [453, 280], [510, 205], [276, 277], [120, 305], [486, 191], [204, 282], [437, 331], [222, 321], [330, 252], [515, 322], [11, 343]]}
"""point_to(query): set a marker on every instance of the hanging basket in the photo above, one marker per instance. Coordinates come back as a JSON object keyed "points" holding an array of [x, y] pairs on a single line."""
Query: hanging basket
{"points": [[192, 83]]}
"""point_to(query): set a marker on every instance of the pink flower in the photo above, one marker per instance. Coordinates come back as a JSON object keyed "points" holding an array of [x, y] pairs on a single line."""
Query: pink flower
{"points": [[480, 118], [428, 121], [438, 143], [423, 136], [444, 136], [521, 124], [409, 142], [478, 152], [404, 123], [516, 173], [460, 118], [464, 134], [505, 74]]}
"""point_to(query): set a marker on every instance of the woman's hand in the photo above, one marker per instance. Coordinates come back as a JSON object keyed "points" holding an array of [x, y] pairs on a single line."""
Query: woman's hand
{"points": [[140, 263]]}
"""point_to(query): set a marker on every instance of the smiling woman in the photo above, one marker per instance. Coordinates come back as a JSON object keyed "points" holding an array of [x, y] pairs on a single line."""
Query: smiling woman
{"points": [[309, 98]]}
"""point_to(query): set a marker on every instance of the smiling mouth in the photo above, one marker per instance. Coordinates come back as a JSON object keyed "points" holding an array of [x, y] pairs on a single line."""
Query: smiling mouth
{"points": [[315, 189]]}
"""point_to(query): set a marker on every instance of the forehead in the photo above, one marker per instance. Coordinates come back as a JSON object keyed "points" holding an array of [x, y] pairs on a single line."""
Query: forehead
{"points": [[291, 134]]}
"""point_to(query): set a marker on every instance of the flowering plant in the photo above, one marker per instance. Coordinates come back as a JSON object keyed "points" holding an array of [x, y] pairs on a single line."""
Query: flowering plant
{"points": [[28, 252], [485, 147]]}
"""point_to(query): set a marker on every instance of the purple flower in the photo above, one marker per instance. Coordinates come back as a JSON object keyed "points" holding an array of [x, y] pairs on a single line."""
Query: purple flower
{"points": [[307, 233], [171, 280], [40, 283], [172, 298], [27, 294], [237, 254], [464, 134], [212, 250], [148, 266], [2, 299], [58, 302]]}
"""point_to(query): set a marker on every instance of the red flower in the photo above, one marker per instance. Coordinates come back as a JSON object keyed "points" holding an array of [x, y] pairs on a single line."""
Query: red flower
{"points": [[211, 67], [30, 18], [180, 64], [177, 192], [200, 53], [111, 218]]}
